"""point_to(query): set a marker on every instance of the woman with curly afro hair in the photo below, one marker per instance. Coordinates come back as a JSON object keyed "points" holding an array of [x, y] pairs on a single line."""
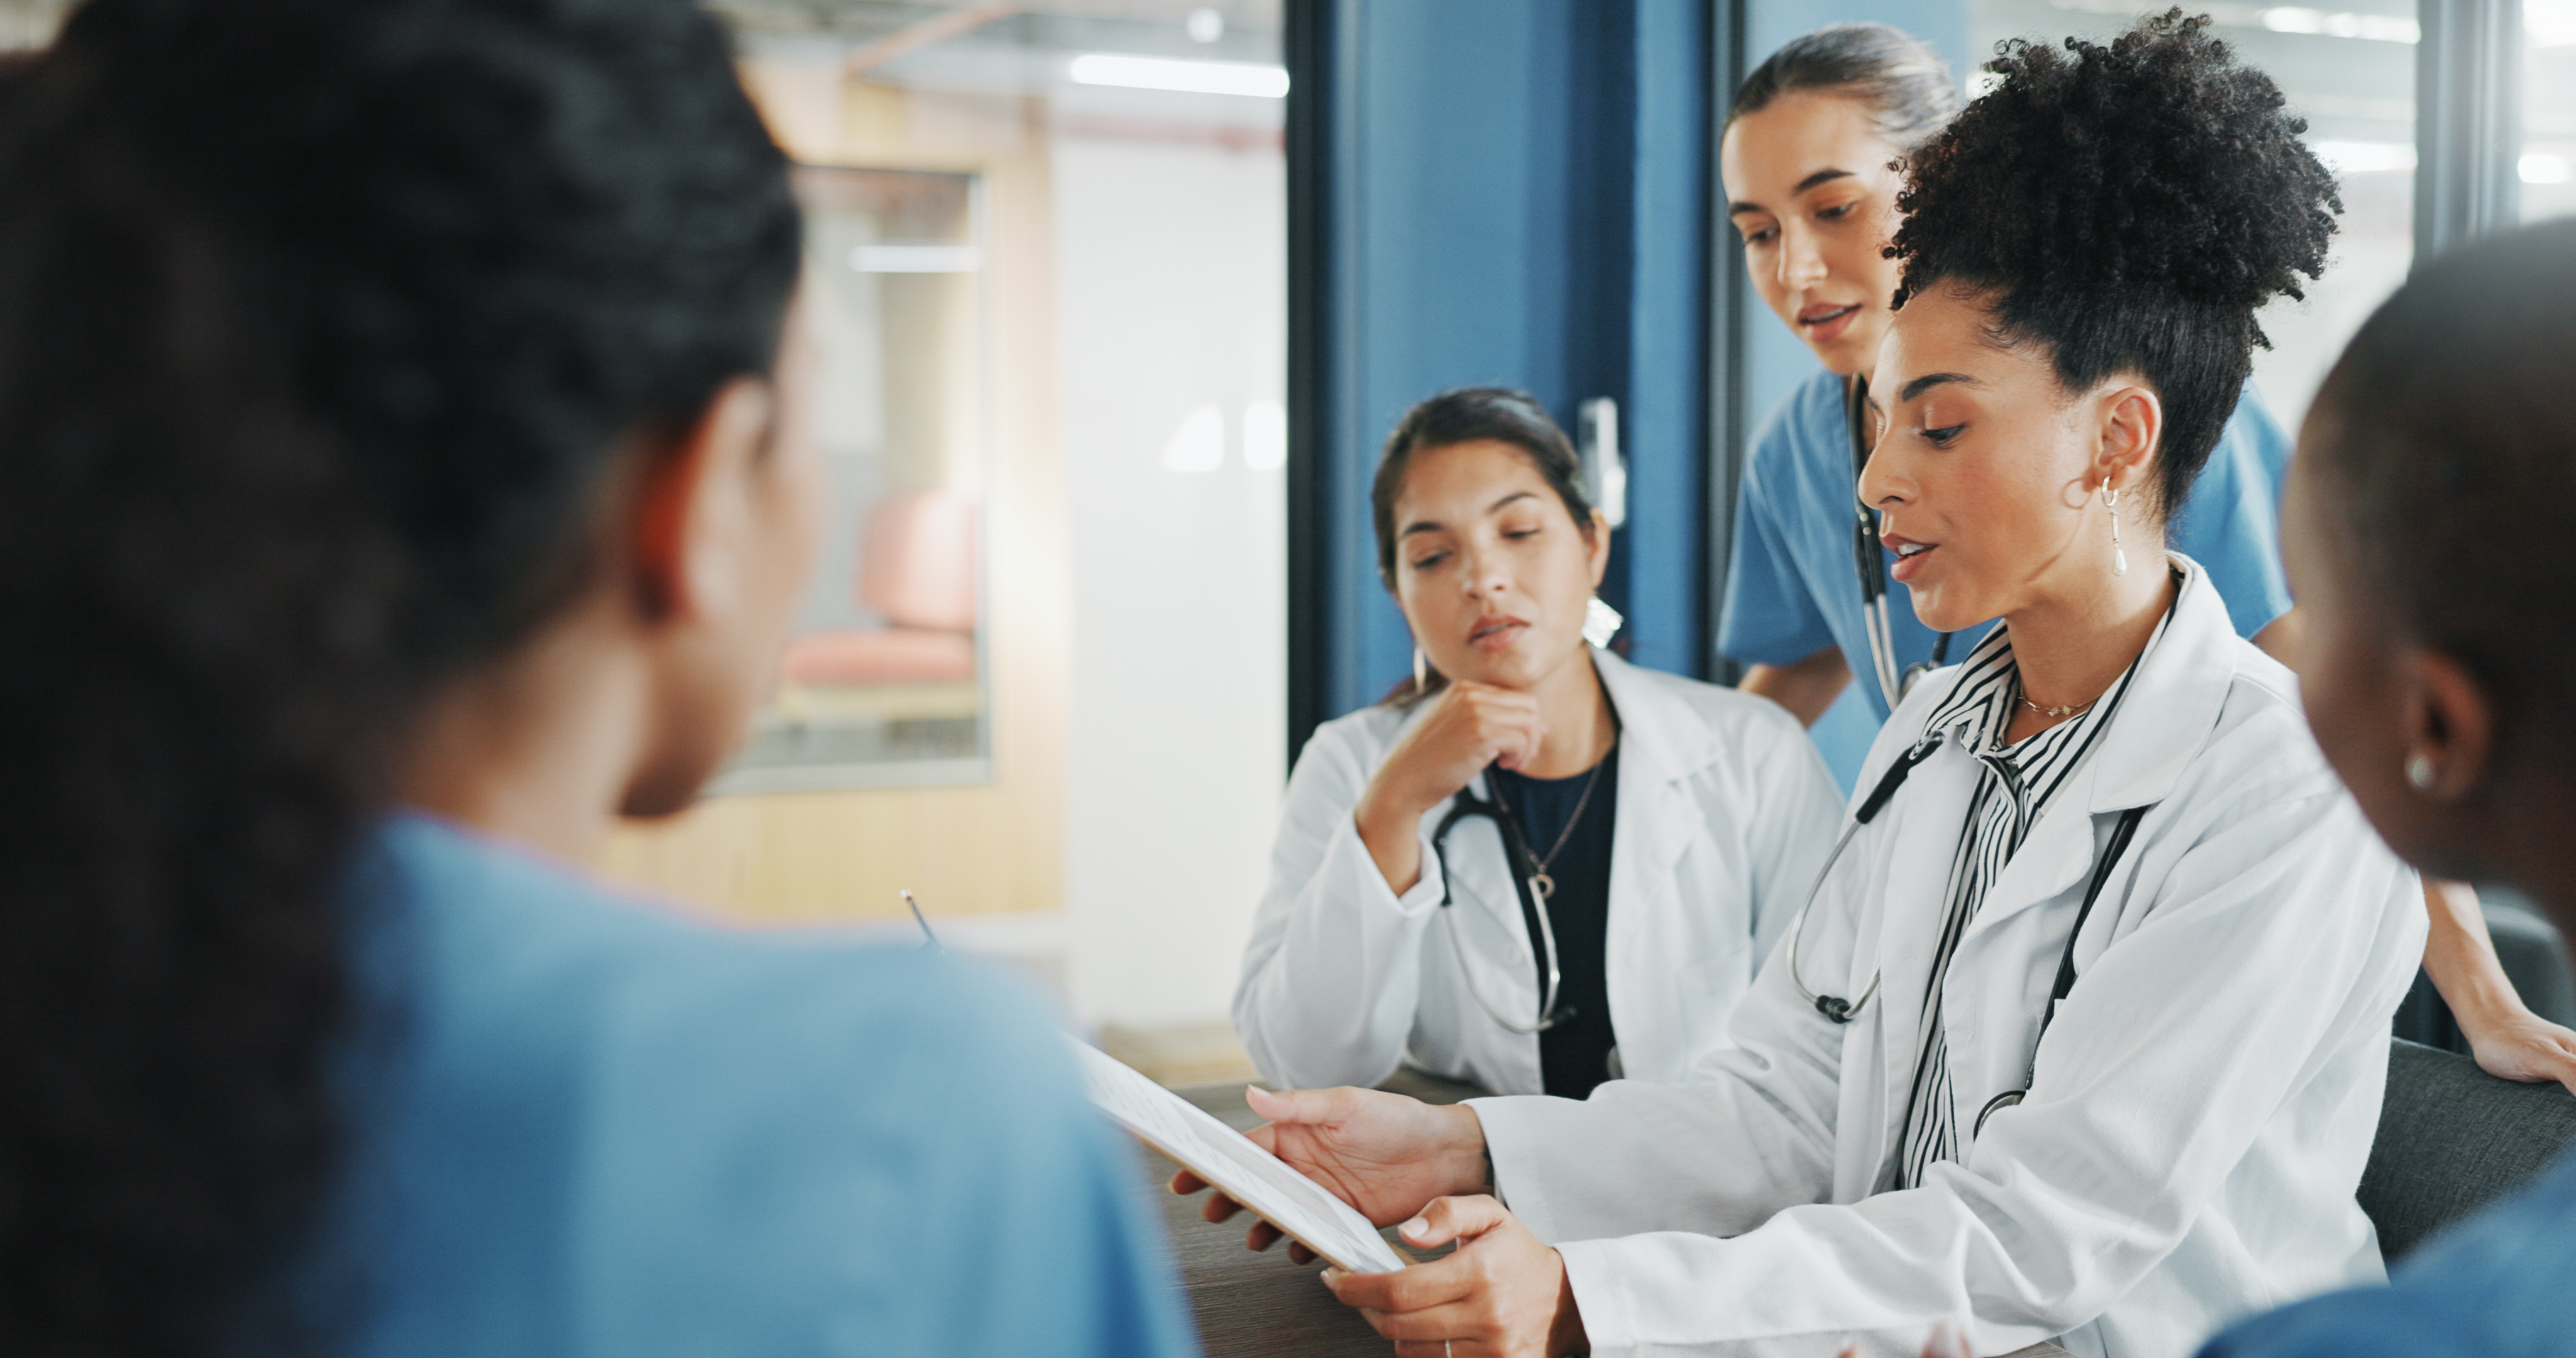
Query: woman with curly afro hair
{"points": [[2083, 1034], [1810, 157]]}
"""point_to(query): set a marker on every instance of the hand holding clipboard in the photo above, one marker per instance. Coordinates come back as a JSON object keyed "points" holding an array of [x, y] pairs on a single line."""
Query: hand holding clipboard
{"points": [[1215, 1154]]}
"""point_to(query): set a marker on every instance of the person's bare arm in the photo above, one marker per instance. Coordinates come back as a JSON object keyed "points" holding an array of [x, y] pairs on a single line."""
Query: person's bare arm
{"points": [[2508, 1039], [1805, 687]]}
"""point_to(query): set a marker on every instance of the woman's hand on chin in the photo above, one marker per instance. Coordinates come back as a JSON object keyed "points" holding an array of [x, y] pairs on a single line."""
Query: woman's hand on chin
{"points": [[1384, 1154], [1500, 1294], [1463, 728]]}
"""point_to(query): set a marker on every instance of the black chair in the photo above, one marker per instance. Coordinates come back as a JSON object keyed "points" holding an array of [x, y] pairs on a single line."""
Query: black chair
{"points": [[2453, 1138], [2533, 954], [2535, 960]]}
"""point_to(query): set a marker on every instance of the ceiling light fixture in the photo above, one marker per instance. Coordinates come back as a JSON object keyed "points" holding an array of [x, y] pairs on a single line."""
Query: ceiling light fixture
{"points": [[1189, 77]]}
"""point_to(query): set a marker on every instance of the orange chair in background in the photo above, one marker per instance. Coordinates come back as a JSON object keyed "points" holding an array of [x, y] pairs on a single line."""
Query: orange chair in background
{"points": [[917, 571]]}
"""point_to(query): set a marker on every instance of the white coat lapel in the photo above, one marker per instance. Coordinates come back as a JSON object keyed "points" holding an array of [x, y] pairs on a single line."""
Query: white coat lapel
{"points": [[1662, 744], [2053, 858], [2167, 715], [1912, 874]]}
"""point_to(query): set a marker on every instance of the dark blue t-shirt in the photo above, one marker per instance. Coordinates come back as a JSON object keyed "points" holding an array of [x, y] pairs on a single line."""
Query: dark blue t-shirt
{"points": [[1574, 1055]]}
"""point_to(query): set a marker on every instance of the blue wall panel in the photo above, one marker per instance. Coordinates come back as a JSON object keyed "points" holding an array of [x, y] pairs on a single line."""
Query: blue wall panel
{"points": [[1666, 401], [1517, 196], [1518, 192]]}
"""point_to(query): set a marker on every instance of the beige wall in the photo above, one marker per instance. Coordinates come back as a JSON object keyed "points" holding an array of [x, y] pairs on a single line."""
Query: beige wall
{"points": [[809, 857]]}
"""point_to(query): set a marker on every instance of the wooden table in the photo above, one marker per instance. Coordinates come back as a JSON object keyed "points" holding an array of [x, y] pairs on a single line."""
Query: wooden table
{"points": [[1260, 1305]]}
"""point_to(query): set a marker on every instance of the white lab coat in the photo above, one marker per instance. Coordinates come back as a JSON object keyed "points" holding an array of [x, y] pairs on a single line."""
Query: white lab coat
{"points": [[2202, 1108], [1724, 813]]}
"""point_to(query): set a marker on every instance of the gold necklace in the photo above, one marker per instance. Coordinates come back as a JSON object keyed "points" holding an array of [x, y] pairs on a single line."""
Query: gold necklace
{"points": [[2055, 713]]}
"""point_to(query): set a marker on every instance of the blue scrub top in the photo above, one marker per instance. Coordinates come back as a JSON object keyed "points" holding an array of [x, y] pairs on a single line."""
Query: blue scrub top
{"points": [[2496, 1286], [1791, 589], [584, 1126]]}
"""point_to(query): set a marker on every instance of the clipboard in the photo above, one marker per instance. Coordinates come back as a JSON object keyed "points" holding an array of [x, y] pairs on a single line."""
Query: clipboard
{"points": [[1302, 1209]]}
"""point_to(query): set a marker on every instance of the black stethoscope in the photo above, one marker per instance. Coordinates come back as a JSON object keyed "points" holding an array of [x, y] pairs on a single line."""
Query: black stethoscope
{"points": [[1840, 1010], [1870, 557], [1533, 906]]}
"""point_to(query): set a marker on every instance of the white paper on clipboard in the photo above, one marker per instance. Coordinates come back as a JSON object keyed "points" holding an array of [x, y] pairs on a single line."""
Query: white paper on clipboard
{"points": [[1245, 1172]]}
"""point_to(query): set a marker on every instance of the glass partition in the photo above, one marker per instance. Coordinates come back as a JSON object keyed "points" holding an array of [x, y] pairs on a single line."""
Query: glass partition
{"points": [[2548, 160], [884, 683]]}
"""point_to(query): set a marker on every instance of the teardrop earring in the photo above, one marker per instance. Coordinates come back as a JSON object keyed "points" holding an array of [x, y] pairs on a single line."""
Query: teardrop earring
{"points": [[2111, 501], [1421, 672]]}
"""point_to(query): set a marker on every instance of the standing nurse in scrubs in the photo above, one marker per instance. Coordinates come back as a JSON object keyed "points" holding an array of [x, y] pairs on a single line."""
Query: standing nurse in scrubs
{"points": [[1807, 161], [1810, 183]]}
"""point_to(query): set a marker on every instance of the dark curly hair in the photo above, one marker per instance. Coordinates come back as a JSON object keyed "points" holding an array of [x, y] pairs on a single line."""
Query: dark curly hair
{"points": [[2444, 439], [323, 325], [2130, 207]]}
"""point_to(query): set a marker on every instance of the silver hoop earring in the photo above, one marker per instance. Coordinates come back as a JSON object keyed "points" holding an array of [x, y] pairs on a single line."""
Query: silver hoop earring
{"points": [[1421, 672], [2420, 772], [2111, 501]]}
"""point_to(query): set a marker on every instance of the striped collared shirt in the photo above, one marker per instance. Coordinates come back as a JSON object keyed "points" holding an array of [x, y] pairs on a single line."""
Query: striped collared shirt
{"points": [[2014, 784]]}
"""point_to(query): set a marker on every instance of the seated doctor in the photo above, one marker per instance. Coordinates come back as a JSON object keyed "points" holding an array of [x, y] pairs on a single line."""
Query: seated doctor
{"points": [[1536, 867], [2085, 1033]]}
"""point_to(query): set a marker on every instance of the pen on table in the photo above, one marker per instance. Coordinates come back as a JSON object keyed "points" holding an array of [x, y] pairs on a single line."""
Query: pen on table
{"points": [[929, 939]]}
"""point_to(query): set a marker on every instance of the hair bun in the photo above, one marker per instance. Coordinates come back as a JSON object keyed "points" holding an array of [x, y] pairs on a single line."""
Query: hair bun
{"points": [[2157, 162]]}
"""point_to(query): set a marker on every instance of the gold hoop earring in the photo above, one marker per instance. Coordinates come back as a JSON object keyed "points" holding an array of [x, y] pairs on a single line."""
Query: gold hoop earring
{"points": [[2111, 501]]}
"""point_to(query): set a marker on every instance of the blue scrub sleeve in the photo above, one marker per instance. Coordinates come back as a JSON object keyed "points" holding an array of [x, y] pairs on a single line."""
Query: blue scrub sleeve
{"points": [[1769, 618], [846, 1154], [2230, 523]]}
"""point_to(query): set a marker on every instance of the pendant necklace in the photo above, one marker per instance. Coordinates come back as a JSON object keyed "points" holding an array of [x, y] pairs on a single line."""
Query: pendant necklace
{"points": [[1540, 882]]}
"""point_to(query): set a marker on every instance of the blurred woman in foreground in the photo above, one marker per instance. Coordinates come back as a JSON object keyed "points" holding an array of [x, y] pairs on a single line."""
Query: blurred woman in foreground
{"points": [[2424, 539], [401, 476]]}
